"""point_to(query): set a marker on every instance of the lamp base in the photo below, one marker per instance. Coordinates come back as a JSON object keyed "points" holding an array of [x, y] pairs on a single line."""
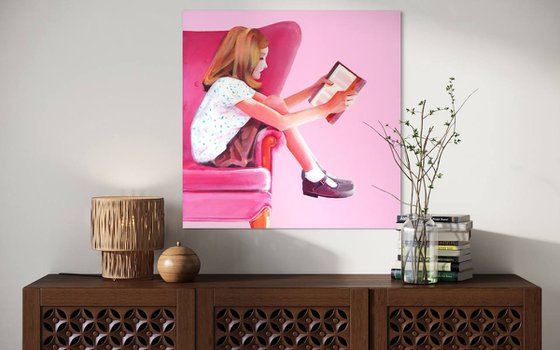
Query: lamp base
{"points": [[127, 264]]}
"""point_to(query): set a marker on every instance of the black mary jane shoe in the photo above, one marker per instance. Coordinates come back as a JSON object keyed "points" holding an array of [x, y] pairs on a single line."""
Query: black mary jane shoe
{"points": [[345, 184], [322, 189]]}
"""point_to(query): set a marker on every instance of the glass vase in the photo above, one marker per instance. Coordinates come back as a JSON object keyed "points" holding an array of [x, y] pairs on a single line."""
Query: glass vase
{"points": [[419, 253]]}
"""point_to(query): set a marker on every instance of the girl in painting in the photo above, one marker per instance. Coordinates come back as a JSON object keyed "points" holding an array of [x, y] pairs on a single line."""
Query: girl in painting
{"points": [[232, 111]]}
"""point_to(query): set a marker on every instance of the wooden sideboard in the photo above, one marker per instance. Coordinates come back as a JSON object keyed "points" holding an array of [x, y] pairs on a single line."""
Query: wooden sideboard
{"points": [[254, 312]]}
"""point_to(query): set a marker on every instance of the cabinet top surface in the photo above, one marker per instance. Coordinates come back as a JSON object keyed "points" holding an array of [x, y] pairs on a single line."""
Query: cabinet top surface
{"points": [[276, 281]]}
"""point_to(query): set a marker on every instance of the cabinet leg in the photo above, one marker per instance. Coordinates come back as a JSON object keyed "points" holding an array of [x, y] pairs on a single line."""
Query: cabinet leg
{"points": [[31, 319]]}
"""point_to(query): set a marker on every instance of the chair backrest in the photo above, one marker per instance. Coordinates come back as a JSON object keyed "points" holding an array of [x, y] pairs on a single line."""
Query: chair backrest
{"points": [[198, 50]]}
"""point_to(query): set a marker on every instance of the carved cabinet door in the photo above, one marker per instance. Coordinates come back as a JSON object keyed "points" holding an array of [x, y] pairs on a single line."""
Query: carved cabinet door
{"points": [[101, 318], [456, 319], [282, 318]]}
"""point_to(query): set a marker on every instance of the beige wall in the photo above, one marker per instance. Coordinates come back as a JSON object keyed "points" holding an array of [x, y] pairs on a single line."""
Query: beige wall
{"points": [[90, 104]]}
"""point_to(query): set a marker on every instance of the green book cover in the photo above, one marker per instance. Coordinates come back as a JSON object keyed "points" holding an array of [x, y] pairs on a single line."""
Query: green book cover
{"points": [[443, 276]]}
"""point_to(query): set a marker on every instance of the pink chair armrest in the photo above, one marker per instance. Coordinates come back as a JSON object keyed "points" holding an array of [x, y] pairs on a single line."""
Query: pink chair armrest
{"points": [[268, 141]]}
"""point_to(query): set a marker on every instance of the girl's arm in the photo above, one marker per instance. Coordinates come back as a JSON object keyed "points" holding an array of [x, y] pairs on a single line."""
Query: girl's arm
{"points": [[255, 109], [259, 97], [304, 94], [298, 97]]}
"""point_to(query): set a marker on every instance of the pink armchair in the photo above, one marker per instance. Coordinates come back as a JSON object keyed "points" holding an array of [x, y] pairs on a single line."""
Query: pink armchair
{"points": [[232, 194]]}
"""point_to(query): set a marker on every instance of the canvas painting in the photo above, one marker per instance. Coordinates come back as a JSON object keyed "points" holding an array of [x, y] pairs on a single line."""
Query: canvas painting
{"points": [[274, 111]]}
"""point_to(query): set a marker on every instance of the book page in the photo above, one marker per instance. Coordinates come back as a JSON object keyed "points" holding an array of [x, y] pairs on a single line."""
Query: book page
{"points": [[341, 77]]}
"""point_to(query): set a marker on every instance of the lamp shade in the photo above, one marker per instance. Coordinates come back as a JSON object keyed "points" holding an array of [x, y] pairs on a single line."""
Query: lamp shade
{"points": [[127, 230]]}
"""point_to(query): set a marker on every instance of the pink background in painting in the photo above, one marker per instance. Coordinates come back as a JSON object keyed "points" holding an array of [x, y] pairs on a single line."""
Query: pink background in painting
{"points": [[368, 42]]}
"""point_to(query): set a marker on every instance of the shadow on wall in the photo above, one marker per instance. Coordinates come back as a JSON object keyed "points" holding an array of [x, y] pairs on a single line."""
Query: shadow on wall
{"points": [[250, 252], [536, 261], [254, 252]]}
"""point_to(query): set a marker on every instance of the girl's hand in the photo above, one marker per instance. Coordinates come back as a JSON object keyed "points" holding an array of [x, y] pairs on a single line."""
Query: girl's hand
{"points": [[319, 83], [340, 101]]}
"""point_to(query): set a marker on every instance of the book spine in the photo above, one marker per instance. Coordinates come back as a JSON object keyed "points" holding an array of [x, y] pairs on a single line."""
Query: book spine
{"points": [[453, 252], [448, 266], [443, 245], [450, 247], [455, 227], [448, 275], [451, 243], [462, 237], [443, 276], [451, 259], [443, 259], [449, 227], [333, 68], [440, 218], [447, 247], [451, 219], [441, 266]]}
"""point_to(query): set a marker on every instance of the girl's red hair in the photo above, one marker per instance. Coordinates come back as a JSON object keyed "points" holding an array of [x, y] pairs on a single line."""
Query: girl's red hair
{"points": [[237, 56]]}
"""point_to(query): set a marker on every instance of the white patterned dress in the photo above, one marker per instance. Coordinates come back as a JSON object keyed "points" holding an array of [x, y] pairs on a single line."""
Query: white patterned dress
{"points": [[217, 119]]}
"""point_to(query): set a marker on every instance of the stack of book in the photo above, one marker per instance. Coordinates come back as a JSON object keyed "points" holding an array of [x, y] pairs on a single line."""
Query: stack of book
{"points": [[454, 248]]}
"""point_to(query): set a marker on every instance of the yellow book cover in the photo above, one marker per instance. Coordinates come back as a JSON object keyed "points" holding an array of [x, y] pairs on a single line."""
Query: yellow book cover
{"points": [[453, 247]]}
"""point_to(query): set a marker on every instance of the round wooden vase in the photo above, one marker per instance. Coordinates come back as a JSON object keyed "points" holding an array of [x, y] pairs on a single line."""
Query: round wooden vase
{"points": [[178, 264]]}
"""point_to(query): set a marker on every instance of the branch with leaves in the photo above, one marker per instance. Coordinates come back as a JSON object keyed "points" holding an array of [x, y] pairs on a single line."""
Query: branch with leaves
{"points": [[417, 151]]}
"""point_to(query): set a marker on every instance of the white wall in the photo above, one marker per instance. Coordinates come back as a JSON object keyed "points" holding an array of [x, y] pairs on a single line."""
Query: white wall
{"points": [[90, 104]]}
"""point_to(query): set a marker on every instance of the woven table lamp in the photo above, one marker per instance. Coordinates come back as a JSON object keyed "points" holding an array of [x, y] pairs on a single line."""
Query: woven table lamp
{"points": [[127, 230]]}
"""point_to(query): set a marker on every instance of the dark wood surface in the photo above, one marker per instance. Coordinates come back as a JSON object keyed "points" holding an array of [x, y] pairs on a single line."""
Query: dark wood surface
{"points": [[279, 281], [378, 319], [533, 318], [186, 322], [31, 318], [456, 296], [80, 295], [205, 318], [288, 296], [374, 307], [359, 318]]}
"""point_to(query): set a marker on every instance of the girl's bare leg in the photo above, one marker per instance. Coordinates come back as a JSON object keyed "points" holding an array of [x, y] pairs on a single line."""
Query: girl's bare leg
{"points": [[312, 172], [295, 141]]}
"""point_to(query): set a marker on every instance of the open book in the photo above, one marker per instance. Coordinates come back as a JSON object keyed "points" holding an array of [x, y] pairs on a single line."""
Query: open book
{"points": [[343, 80]]}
